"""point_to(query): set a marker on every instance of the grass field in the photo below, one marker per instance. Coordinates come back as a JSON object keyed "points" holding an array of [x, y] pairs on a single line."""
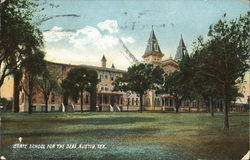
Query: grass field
{"points": [[126, 135]]}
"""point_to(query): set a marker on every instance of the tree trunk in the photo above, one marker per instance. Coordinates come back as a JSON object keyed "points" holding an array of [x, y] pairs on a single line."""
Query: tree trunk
{"points": [[81, 98], [221, 106], [15, 103], [226, 122], [46, 105], [177, 104], [189, 108], [211, 106], [30, 105], [141, 105], [65, 99], [93, 100], [198, 106]]}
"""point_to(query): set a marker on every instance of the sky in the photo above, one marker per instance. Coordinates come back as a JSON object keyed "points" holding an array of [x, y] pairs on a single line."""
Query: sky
{"points": [[82, 31]]}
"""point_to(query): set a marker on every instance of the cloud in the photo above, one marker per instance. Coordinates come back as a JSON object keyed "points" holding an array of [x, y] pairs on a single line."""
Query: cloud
{"points": [[109, 25], [85, 45], [85, 36], [56, 34]]}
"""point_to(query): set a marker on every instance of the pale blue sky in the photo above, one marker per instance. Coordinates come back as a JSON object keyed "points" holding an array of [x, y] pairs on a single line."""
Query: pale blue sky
{"points": [[77, 40]]}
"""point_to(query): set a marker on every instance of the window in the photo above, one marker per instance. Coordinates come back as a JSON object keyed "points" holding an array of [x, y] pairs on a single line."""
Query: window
{"points": [[52, 98], [52, 108], [101, 76], [136, 101], [43, 108], [33, 108], [112, 77], [102, 88], [106, 88], [133, 101], [76, 100], [121, 101], [106, 75], [148, 101], [128, 101], [34, 100], [100, 99], [87, 99], [105, 99]]}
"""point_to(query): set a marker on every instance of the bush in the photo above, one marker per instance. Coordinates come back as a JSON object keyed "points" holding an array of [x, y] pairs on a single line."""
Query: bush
{"points": [[6, 104]]}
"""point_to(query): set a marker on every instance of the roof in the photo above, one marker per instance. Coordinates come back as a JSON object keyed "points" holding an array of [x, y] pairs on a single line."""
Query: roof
{"points": [[104, 58], [181, 50], [152, 46], [89, 67]]}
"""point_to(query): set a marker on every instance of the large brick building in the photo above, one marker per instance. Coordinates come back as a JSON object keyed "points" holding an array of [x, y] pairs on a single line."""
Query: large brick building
{"points": [[106, 97]]}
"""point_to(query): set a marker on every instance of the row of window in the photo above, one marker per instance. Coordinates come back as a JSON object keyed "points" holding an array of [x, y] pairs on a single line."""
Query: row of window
{"points": [[133, 101], [106, 75], [105, 99], [104, 88]]}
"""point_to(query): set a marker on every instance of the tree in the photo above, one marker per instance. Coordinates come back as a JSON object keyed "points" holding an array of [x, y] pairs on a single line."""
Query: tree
{"points": [[79, 80], [69, 90], [33, 65], [92, 77], [225, 56], [179, 84], [17, 31], [140, 78], [47, 82]]}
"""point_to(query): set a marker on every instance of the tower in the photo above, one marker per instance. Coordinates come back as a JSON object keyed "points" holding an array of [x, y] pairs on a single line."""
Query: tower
{"points": [[103, 60], [181, 50], [153, 52]]}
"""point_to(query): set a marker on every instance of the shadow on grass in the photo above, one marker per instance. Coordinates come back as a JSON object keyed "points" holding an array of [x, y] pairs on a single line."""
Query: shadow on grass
{"points": [[92, 121], [91, 132]]}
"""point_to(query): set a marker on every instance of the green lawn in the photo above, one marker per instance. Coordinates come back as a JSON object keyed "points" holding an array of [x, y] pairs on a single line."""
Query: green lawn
{"points": [[126, 135]]}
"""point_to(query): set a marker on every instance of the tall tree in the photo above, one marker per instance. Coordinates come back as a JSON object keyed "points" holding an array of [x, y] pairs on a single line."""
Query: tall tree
{"points": [[33, 65], [69, 90], [140, 78], [225, 56], [47, 82], [93, 80], [17, 31], [79, 80], [179, 84]]}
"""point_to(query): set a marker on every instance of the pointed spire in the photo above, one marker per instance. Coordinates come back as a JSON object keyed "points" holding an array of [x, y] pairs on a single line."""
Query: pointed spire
{"points": [[181, 50], [103, 60], [113, 66], [152, 45]]}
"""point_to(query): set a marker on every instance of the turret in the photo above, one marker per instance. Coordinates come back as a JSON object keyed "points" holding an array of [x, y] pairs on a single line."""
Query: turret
{"points": [[153, 52], [181, 50], [103, 60]]}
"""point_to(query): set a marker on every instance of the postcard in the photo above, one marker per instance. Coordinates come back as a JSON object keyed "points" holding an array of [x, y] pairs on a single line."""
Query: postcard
{"points": [[124, 79]]}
